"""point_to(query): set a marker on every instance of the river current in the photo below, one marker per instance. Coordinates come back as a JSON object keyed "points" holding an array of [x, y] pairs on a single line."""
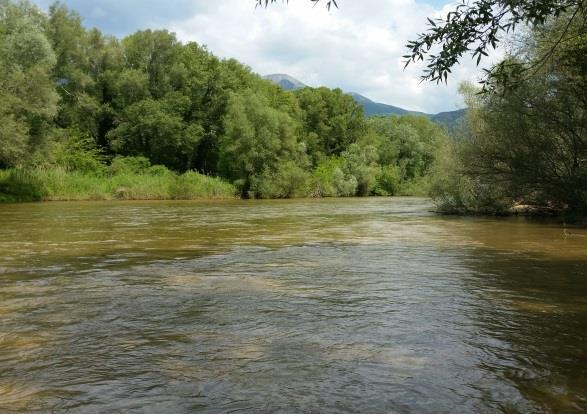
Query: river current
{"points": [[328, 306]]}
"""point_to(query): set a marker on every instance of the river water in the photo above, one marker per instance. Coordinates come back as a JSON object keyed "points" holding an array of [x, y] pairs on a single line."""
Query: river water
{"points": [[330, 306]]}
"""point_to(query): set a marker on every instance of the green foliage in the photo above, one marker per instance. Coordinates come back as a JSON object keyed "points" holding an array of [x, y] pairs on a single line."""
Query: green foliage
{"points": [[332, 121], [27, 95], [388, 181], [59, 184], [476, 28], [14, 138], [288, 181], [75, 151], [129, 165], [155, 53], [361, 163], [408, 148], [457, 193], [17, 185], [128, 87], [329, 179], [159, 171], [258, 139], [156, 130], [546, 164], [72, 100], [192, 185]]}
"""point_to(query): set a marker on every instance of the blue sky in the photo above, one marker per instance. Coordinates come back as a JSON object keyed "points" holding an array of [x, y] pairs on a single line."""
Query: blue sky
{"points": [[357, 47]]}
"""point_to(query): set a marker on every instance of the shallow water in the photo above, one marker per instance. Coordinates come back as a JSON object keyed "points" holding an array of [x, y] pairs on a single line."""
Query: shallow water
{"points": [[343, 305]]}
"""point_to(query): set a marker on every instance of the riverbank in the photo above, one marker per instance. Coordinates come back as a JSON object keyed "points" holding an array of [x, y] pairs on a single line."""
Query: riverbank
{"points": [[57, 184], [134, 178], [159, 183]]}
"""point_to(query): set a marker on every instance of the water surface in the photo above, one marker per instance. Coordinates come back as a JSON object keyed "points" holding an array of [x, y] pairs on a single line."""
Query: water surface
{"points": [[343, 305]]}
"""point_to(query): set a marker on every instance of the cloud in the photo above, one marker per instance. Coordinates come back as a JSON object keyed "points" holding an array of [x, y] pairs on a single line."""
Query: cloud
{"points": [[357, 47]]}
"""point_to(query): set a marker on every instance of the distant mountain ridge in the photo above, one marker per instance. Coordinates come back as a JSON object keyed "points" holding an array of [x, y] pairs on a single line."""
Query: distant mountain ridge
{"points": [[289, 83], [371, 108]]}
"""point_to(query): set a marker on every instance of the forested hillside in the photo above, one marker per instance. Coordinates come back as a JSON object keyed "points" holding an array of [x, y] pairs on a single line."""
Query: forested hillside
{"points": [[80, 107]]}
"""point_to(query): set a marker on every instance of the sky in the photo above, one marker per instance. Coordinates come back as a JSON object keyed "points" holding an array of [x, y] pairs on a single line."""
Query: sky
{"points": [[357, 47]]}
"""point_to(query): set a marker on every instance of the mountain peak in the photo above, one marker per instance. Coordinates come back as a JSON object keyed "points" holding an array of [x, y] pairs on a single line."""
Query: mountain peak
{"points": [[287, 82]]}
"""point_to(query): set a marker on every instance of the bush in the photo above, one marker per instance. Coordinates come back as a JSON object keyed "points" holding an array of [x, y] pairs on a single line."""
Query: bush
{"points": [[344, 186], [288, 181], [323, 178], [159, 171], [74, 151], [455, 193], [126, 165], [192, 185], [329, 180], [361, 163], [388, 181]]}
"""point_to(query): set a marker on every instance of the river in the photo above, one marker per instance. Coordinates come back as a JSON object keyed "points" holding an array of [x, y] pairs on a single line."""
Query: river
{"points": [[332, 306]]}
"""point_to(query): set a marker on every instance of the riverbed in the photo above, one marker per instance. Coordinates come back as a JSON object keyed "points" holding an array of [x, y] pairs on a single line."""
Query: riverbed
{"points": [[331, 306]]}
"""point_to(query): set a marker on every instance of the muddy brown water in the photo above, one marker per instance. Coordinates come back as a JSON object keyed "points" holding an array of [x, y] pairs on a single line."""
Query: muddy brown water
{"points": [[330, 306]]}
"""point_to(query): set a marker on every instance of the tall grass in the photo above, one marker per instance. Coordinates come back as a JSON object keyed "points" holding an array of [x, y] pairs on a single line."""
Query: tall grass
{"points": [[58, 184]]}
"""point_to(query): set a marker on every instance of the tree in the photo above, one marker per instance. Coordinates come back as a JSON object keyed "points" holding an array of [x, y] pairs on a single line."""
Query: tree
{"points": [[332, 121], [360, 162], [528, 143], [156, 130], [27, 95], [257, 140], [408, 142], [157, 54]]}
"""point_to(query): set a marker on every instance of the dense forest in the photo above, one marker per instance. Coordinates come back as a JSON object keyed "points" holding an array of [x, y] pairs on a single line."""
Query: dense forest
{"points": [[85, 115]]}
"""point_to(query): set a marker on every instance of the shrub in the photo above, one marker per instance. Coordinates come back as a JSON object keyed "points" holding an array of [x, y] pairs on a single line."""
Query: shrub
{"points": [[344, 186], [287, 182], [388, 181], [192, 185], [361, 163], [125, 165], [455, 193], [159, 171], [74, 151]]}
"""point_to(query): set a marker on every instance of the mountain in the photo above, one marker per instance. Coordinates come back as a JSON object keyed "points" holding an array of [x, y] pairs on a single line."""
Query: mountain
{"points": [[376, 108], [449, 119], [288, 83]]}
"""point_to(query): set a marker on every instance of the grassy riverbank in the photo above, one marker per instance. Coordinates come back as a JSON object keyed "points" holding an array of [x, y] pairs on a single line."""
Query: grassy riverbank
{"points": [[58, 184]]}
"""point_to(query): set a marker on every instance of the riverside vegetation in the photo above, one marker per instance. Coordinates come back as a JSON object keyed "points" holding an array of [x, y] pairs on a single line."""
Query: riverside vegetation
{"points": [[88, 116]]}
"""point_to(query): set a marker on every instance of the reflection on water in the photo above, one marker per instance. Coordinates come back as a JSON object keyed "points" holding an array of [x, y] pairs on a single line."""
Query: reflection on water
{"points": [[361, 305]]}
